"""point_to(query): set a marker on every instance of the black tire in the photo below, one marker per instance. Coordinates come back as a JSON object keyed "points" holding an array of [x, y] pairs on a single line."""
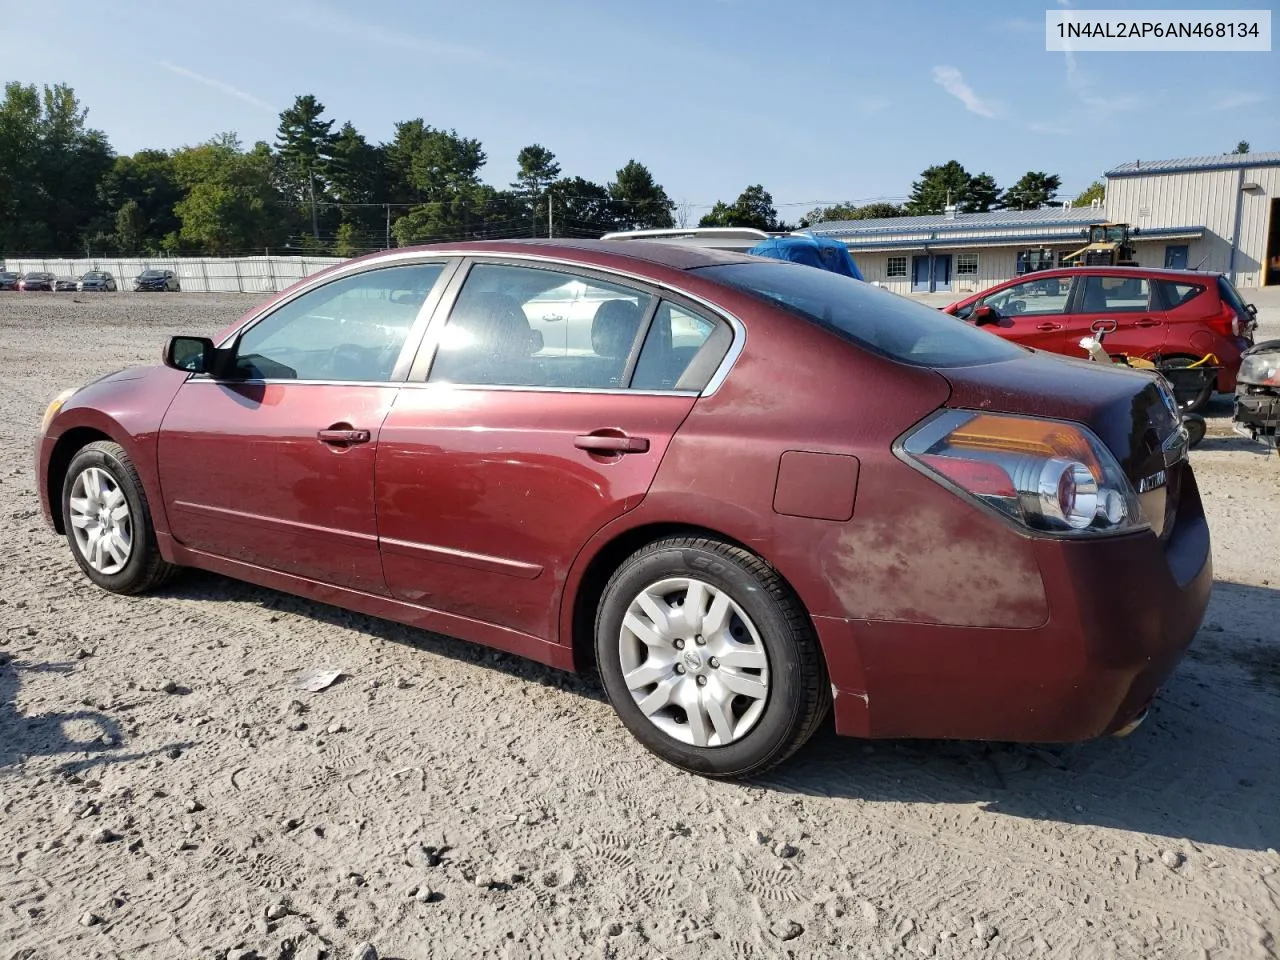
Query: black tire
{"points": [[1196, 428], [799, 693], [144, 568], [1189, 401]]}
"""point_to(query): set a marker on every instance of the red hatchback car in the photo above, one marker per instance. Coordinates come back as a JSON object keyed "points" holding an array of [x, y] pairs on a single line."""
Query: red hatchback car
{"points": [[762, 489], [1174, 316]]}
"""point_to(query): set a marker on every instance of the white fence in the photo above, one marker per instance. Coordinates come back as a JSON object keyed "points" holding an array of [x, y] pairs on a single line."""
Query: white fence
{"points": [[267, 274]]}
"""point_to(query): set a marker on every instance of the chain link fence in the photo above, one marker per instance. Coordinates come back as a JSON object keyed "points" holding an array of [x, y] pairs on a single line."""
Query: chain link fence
{"points": [[265, 274]]}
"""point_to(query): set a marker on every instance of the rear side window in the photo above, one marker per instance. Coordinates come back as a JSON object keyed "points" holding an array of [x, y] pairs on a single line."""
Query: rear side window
{"points": [[1176, 294], [881, 321], [1229, 293], [681, 350], [1109, 294]]}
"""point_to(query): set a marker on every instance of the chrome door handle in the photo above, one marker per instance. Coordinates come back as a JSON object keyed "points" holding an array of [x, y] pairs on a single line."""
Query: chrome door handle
{"points": [[604, 443], [343, 437]]}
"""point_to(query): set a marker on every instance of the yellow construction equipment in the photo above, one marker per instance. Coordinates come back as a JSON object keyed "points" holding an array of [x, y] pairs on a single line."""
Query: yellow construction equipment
{"points": [[1109, 246]]}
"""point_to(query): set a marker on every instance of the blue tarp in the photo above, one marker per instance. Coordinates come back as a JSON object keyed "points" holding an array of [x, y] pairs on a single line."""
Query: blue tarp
{"points": [[821, 252]]}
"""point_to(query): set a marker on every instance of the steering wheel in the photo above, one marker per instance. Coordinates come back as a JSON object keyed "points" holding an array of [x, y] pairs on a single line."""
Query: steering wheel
{"points": [[345, 359], [1016, 306]]}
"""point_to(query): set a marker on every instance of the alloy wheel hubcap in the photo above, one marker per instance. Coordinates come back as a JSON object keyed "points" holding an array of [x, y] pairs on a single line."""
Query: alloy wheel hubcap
{"points": [[101, 521], [694, 662]]}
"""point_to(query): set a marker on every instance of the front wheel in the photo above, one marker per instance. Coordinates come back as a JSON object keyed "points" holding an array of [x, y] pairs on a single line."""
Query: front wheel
{"points": [[108, 521], [709, 658]]}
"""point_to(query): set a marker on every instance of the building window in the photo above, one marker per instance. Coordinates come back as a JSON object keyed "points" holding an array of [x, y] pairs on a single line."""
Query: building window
{"points": [[966, 265], [896, 268]]}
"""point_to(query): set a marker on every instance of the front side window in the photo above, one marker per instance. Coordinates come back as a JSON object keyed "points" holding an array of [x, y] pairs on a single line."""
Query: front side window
{"points": [[350, 329], [896, 268], [876, 319], [1107, 294], [529, 327], [1038, 297]]}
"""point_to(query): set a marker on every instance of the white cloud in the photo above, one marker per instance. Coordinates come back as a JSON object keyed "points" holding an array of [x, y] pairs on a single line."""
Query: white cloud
{"points": [[952, 81], [1050, 128], [218, 85], [1231, 101]]}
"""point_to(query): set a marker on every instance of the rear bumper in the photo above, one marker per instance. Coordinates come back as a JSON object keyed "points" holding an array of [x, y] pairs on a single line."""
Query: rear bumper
{"points": [[1122, 612]]}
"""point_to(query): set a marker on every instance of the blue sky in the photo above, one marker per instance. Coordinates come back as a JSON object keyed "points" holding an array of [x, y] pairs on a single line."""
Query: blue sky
{"points": [[818, 101]]}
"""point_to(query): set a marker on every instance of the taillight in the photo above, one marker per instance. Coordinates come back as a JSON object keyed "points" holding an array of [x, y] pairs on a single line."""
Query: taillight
{"points": [[1051, 476], [1225, 320]]}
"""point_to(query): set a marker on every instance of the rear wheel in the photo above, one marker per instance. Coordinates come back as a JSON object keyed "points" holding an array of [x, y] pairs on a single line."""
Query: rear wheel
{"points": [[108, 521], [709, 658]]}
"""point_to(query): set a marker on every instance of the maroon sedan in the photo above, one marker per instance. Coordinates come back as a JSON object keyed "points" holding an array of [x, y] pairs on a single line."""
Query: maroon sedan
{"points": [[761, 490]]}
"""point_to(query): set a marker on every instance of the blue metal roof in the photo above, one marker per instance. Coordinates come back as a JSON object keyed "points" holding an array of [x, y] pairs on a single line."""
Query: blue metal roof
{"points": [[971, 238], [1220, 161], [962, 222]]}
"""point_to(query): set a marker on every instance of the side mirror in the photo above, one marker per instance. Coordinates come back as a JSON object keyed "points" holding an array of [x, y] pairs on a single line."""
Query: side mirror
{"points": [[190, 354], [199, 355], [1253, 311], [984, 315]]}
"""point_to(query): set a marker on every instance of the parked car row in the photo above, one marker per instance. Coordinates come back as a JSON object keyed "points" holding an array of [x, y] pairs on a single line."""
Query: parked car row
{"points": [[100, 281]]}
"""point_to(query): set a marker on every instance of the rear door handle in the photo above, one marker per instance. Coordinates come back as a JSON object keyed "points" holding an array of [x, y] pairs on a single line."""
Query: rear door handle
{"points": [[1146, 322], [604, 443], [342, 436], [1049, 326]]}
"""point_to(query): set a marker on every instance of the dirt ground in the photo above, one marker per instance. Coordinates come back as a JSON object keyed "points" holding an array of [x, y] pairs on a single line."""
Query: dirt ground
{"points": [[445, 801]]}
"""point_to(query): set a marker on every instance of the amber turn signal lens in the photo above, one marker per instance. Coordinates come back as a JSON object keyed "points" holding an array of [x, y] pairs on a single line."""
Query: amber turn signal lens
{"points": [[1041, 438]]}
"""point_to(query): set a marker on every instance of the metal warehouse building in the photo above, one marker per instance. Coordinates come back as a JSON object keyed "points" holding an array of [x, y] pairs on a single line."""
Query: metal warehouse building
{"points": [[1219, 213]]}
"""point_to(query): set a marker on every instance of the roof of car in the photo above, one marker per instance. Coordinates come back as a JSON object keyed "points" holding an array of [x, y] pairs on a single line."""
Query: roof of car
{"points": [[1123, 271]]}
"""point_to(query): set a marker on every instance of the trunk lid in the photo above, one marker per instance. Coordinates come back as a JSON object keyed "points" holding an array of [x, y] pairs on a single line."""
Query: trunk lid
{"points": [[1130, 411]]}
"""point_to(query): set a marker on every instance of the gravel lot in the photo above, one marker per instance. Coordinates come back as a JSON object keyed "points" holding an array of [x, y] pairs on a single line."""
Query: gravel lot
{"points": [[442, 800]]}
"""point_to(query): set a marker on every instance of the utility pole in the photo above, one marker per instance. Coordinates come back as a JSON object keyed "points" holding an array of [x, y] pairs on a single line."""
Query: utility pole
{"points": [[388, 241], [551, 223], [315, 229]]}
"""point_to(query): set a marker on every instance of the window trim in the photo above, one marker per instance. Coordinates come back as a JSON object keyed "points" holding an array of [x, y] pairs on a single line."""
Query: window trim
{"points": [[414, 335], [424, 358], [967, 273], [889, 274]]}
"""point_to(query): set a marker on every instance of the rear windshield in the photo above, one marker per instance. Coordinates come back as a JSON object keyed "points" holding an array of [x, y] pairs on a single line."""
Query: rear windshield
{"points": [[1227, 290], [877, 319], [152, 274]]}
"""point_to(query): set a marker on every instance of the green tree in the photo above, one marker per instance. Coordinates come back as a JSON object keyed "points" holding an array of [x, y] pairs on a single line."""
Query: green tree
{"points": [[581, 208], [537, 170], [639, 201], [357, 174], [131, 229], [1242, 146], [753, 208], [232, 204], [981, 195], [304, 143], [438, 172], [146, 180], [348, 241], [970, 194], [51, 166], [1033, 191], [876, 210], [1095, 191]]}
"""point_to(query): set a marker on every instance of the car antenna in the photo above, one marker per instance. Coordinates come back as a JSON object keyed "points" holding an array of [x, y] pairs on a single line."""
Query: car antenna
{"points": [[1201, 263]]}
